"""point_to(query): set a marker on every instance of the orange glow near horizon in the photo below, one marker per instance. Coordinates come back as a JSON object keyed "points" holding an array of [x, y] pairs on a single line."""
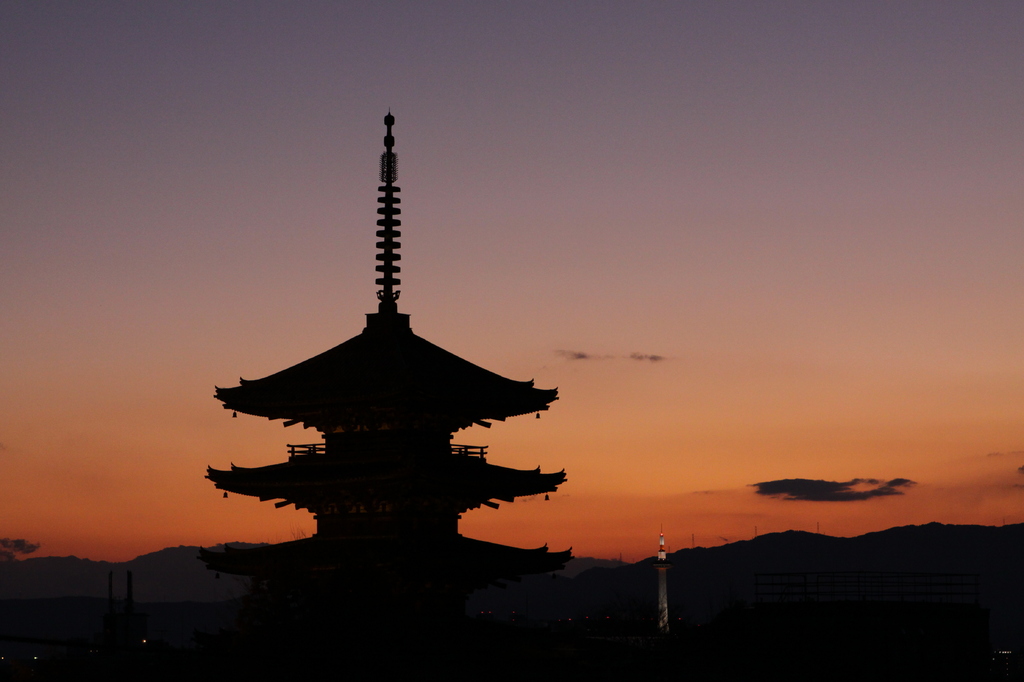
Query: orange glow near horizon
{"points": [[743, 250]]}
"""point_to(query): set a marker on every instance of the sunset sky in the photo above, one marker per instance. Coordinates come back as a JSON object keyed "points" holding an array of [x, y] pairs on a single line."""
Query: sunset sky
{"points": [[749, 242]]}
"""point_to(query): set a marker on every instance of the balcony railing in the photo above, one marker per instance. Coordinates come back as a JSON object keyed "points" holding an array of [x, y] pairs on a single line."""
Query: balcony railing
{"points": [[321, 449], [307, 449], [470, 450]]}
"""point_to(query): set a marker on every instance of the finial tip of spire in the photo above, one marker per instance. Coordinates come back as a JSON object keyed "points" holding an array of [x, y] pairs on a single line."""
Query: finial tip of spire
{"points": [[389, 120]]}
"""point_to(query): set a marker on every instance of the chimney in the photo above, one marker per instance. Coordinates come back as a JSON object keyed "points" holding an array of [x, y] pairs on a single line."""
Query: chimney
{"points": [[129, 603]]}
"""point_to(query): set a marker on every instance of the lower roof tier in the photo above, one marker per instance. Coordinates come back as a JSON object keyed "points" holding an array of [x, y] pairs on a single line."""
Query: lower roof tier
{"points": [[460, 562], [311, 480]]}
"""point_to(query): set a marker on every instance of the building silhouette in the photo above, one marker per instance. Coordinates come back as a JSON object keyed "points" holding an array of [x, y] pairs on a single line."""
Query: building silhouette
{"points": [[123, 626], [387, 485], [856, 625]]}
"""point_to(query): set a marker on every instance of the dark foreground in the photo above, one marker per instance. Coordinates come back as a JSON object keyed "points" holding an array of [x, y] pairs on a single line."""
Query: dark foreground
{"points": [[869, 643]]}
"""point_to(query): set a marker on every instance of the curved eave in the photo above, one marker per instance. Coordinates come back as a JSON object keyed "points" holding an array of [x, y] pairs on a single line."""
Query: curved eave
{"points": [[474, 563], [288, 481], [320, 411]]}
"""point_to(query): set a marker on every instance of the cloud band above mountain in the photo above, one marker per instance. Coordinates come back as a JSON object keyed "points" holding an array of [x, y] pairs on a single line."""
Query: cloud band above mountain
{"points": [[811, 490]]}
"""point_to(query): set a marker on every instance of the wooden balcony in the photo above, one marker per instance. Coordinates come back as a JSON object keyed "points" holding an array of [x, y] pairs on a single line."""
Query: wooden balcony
{"points": [[307, 449], [321, 449], [470, 450]]}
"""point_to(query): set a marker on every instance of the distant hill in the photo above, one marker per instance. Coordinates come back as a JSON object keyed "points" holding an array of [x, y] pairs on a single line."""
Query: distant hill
{"points": [[703, 581], [580, 564], [174, 574]]}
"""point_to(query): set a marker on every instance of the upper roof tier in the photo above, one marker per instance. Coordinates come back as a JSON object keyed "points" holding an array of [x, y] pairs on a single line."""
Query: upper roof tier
{"points": [[386, 378]]}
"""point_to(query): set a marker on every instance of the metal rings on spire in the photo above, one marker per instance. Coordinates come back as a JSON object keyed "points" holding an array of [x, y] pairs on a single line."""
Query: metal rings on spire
{"points": [[388, 295]]}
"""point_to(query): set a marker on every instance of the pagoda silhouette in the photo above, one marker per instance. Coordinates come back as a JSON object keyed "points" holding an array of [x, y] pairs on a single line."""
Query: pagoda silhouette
{"points": [[387, 485]]}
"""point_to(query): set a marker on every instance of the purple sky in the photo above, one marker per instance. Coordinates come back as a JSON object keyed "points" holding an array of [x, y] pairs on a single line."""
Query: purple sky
{"points": [[813, 211]]}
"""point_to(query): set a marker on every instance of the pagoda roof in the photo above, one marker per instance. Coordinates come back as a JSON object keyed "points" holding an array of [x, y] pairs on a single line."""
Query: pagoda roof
{"points": [[385, 373], [302, 479], [471, 563]]}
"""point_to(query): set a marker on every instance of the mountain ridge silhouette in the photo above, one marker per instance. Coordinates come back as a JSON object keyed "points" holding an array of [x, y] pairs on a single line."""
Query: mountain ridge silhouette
{"points": [[702, 582], [705, 580]]}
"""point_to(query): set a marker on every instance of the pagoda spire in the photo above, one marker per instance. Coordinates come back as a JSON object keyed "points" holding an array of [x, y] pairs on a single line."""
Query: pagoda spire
{"points": [[388, 296]]}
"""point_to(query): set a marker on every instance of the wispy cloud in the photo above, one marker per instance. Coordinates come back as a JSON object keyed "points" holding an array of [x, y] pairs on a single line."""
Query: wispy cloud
{"points": [[646, 357], [832, 491], [578, 355], [583, 355]]}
